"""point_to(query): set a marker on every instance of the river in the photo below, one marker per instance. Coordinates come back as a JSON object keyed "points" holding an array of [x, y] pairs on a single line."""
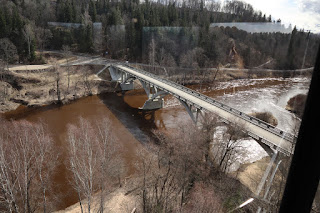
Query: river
{"points": [[133, 127]]}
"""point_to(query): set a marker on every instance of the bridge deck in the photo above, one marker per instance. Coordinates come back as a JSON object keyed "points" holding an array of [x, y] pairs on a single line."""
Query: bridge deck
{"points": [[256, 128]]}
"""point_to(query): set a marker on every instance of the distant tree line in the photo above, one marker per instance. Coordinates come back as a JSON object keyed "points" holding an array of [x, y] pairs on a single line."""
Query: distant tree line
{"points": [[195, 48], [25, 24]]}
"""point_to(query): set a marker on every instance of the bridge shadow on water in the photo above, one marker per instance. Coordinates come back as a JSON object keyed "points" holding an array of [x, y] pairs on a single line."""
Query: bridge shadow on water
{"points": [[139, 122]]}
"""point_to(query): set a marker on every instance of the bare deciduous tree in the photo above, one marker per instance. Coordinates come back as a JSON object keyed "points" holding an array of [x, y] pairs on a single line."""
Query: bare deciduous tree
{"points": [[28, 35], [168, 174], [46, 161], [111, 164], [227, 145], [165, 59], [27, 161], [209, 124], [86, 81], [67, 53], [92, 161], [8, 51], [42, 36], [58, 76], [159, 188], [83, 160], [115, 41], [203, 199], [152, 52]]}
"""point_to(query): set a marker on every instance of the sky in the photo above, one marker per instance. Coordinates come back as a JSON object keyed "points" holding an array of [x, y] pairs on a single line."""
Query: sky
{"points": [[305, 14]]}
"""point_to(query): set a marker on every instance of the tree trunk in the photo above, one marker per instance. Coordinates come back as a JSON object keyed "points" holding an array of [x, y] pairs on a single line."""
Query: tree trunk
{"points": [[58, 88]]}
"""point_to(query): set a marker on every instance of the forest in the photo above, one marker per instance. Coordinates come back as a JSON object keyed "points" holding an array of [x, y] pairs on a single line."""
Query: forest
{"points": [[175, 31], [186, 171]]}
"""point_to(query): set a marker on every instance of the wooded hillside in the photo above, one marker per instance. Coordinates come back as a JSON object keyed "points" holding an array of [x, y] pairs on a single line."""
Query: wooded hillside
{"points": [[24, 29]]}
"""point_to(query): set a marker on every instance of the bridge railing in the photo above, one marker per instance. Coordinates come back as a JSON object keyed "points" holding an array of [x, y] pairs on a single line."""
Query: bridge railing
{"points": [[262, 124]]}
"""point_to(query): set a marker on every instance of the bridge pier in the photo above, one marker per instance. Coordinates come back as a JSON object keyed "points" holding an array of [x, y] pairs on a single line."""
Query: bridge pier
{"points": [[155, 96], [127, 86], [153, 104], [194, 114], [277, 162], [124, 79]]}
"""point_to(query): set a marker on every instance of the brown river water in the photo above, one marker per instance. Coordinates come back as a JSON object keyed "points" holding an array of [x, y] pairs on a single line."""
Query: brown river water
{"points": [[132, 126], [57, 118]]}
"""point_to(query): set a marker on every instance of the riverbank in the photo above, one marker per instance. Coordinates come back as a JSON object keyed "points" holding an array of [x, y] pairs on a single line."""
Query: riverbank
{"points": [[62, 84], [50, 86]]}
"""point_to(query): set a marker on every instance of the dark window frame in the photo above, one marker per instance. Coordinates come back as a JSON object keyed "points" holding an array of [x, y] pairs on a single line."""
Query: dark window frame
{"points": [[304, 173]]}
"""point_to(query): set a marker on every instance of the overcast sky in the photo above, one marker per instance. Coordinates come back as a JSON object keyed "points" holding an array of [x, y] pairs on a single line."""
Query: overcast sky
{"points": [[305, 14]]}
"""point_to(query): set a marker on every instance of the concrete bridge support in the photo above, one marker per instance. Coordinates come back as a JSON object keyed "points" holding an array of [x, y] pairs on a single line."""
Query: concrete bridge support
{"points": [[155, 96], [194, 113], [267, 179], [124, 79]]}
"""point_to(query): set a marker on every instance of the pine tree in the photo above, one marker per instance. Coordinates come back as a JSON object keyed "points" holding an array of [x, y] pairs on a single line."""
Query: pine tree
{"points": [[269, 18], [172, 13], [68, 16], [2, 25], [105, 6], [16, 20], [73, 11], [291, 49], [8, 19], [164, 17], [89, 39], [92, 11], [115, 17]]}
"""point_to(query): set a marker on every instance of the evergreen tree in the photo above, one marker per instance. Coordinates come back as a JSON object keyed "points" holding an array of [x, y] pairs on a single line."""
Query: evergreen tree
{"points": [[115, 17], [3, 25], [89, 39], [17, 23], [164, 17], [291, 49], [105, 6], [8, 19], [172, 13], [73, 11], [92, 11]]}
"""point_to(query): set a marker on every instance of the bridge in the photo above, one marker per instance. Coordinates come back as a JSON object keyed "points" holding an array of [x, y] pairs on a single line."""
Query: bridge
{"points": [[196, 104]]}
